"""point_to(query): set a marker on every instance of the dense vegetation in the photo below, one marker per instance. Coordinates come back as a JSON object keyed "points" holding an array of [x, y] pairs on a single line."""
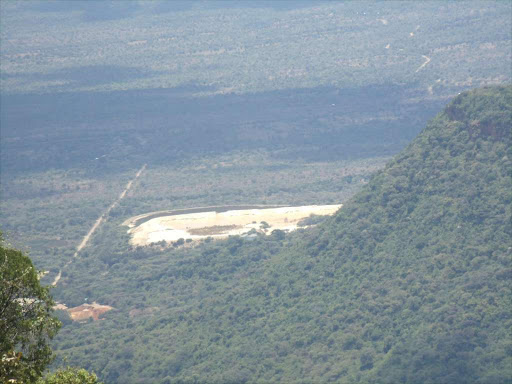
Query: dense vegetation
{"points": [[291, 102], [76, 124], [48, 213], [26, 325], [229, 47], [66, 102], [106, 133], [409, 282]]}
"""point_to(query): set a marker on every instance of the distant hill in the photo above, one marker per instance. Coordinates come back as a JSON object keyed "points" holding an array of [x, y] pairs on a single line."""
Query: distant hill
{"points": [[410, 282]]}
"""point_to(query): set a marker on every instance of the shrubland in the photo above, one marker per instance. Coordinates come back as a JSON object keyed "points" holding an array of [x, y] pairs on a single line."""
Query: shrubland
{"points": [[407, 283]]}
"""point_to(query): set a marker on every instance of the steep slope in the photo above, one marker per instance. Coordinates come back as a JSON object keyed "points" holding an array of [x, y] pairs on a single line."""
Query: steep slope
{"points": [[425, 250], [408, 282]]}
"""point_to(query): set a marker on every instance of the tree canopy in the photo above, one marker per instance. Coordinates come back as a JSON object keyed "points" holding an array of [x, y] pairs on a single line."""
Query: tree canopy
{"points": [[69, 376], [26, 322], [27, 325]]}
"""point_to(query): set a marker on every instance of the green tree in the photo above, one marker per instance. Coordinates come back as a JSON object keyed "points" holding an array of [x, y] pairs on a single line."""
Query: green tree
{"points": [[26, 322], [70, 376]]}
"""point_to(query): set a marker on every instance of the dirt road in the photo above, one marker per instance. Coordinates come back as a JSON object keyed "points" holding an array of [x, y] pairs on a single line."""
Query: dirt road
{"points": [[427, 60], [98, 222]]}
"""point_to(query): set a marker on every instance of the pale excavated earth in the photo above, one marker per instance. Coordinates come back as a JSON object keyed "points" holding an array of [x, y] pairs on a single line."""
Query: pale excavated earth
{"points": [[85, 311], [211, 223]]}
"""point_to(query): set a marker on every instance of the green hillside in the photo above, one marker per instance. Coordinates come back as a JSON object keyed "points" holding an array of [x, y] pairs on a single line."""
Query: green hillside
{"points": [[409, 282], [422, 256]]}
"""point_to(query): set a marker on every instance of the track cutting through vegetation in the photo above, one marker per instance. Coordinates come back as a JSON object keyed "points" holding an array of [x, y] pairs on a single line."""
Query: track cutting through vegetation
{"points": [[98, 222], [427, 60]]}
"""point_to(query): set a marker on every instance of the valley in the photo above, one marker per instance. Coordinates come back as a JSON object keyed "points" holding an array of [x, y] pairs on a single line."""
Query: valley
{"points": [[406, 248], [274, 191]]}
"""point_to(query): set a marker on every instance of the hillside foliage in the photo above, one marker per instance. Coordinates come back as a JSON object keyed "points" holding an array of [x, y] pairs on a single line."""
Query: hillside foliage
{"points": [[408, 282]]}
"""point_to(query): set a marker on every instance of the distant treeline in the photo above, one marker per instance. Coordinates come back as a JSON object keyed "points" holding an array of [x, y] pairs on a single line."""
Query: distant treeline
{"points": [[118, 130]]}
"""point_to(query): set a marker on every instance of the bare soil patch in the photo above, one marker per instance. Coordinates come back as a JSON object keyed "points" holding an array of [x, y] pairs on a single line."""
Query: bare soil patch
{"points": [[218, 222], [214, 230], [86, 311]]}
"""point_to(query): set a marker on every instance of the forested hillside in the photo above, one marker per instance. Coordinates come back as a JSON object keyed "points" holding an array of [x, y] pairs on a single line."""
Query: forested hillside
{"points": [[116, 109], [422, 256], [408, 282], [239, 102]]}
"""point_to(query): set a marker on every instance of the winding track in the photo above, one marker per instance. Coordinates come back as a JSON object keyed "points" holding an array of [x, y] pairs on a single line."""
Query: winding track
{"points": [[98, 222], [427, 60]]}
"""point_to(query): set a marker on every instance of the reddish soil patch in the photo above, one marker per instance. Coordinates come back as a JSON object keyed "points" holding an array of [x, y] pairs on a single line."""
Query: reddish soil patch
{"points": [[86, 311]]}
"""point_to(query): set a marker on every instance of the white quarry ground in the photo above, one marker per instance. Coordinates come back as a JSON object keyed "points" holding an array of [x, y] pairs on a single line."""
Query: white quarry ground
{"points": [[196, 226]]}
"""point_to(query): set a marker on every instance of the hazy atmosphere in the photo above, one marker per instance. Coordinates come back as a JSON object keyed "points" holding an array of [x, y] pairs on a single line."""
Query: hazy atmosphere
{"points": [[264, 191]]}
